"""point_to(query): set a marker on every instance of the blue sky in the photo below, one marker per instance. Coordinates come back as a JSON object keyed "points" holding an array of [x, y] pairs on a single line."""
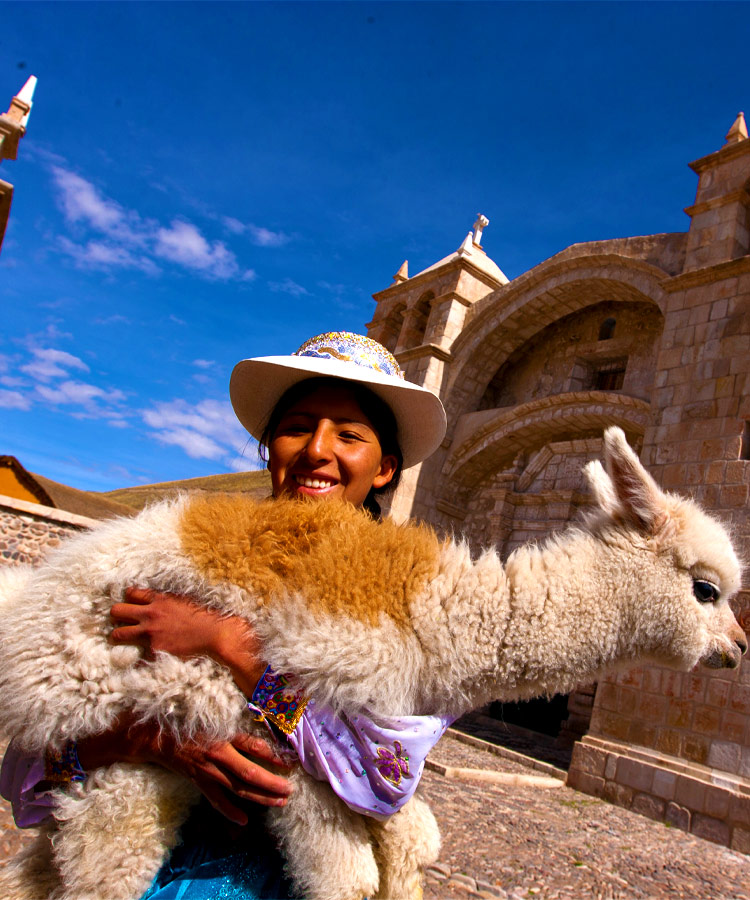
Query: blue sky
{"points": [[206, 182]]}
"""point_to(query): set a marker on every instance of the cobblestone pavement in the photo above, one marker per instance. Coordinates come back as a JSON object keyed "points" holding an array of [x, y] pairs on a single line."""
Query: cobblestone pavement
{"points": [[547, 843], [527, 842]]}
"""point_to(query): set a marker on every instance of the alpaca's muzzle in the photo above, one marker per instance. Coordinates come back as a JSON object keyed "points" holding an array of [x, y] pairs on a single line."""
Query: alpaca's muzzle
{"points": [[725, 657]]}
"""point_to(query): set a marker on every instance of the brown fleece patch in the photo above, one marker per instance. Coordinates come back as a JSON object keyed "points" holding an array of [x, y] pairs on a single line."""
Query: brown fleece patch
{"points": [[336, 556]]}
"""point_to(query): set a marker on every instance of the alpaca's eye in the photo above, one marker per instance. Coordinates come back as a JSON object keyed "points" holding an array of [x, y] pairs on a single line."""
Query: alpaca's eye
{"points": [[705, 592]]}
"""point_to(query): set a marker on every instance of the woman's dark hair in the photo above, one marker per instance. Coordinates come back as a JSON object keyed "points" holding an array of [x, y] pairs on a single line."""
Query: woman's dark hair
{"points": [[376, 410]]}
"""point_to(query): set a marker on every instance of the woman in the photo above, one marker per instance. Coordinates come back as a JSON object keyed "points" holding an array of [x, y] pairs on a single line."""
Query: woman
{"points": [[336, 421]]}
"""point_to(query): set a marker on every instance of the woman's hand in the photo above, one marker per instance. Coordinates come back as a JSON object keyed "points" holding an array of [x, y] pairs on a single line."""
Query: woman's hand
{"points": [[174, 623], [222, 771]]}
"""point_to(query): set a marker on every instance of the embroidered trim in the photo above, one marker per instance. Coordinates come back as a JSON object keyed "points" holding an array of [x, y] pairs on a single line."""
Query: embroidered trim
{"points": [[63, 766], [275, 700]]}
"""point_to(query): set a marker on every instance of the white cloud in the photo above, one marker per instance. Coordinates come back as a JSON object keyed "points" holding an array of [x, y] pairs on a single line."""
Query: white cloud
{"points": [[114, 319], [50, 333], [233, 225], [204, 430], [338, 294], [81, 201], [79, 393], [260, 236], [287, 286], [13, 400], [210, 417], [49, 363], [53, 377], [264, 237], [126, 240], [106, 255], [197, 446], [204, 363], [13, 381], [183, 243]]}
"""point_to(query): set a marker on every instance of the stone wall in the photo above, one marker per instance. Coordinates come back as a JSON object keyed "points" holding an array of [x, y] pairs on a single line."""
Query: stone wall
{"points": [[674, 746], [28, 530]]}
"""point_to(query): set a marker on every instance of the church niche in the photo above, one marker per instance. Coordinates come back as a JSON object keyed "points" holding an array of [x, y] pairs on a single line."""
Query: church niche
{"points": [[610, 346]]}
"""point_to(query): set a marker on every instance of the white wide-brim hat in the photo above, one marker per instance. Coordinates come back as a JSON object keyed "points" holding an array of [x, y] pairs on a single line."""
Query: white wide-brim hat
{"points": [[257, 385]]}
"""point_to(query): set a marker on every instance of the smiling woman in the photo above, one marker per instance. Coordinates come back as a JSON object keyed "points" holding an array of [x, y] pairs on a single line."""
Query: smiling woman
{"points": [[330, 440], [337, 421]]}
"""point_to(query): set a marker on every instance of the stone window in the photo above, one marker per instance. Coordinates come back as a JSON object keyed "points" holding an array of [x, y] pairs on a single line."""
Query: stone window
{"points": [[607, 329], [609, 375]]}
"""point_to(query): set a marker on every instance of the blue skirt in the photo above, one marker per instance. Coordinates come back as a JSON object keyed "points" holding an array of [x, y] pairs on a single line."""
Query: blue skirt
{"points": [[216, 860]]}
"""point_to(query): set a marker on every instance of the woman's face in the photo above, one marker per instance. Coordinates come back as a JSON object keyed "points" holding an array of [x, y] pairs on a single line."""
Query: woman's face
{"points": [[326, 447]]}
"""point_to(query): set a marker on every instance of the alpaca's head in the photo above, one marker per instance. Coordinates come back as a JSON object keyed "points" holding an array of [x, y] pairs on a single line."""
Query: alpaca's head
{"points": [[689, 559]]}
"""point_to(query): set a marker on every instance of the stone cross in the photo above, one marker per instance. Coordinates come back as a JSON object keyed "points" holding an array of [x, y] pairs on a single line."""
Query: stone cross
{"points": [[481, 223]]}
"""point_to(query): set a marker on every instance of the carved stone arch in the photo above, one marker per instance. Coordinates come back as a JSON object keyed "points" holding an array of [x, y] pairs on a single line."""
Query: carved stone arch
{"points": [[491, 446], [515, 314]]}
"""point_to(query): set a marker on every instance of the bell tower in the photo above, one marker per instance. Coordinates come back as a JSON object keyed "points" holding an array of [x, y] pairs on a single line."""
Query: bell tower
{"points": [[419, 317], [12, 129], [720, 226]]}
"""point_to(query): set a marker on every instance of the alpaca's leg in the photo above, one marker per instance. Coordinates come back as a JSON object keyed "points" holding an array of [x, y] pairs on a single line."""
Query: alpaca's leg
{"points": [[31, 874], [404, 845], [326, 845], [115, 831]]}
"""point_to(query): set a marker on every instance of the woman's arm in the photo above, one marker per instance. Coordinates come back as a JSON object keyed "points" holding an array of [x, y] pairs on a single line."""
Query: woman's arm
{"points": [[174, 624], [221, 770]]}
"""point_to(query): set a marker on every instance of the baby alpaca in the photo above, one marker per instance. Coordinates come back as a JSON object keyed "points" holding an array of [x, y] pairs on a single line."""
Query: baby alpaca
{"points": [[647, 576]]}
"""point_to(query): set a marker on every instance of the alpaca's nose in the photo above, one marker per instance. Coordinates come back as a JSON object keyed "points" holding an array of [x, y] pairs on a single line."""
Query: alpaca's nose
{"points": [[742, 644]]}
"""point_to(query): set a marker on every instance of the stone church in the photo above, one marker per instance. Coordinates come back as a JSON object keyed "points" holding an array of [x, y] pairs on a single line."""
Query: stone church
{"points": [[651, 333]]}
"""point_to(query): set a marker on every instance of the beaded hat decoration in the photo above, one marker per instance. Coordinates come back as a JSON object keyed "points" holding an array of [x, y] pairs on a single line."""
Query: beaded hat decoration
{"points": [[257, 385], [356, 348]]}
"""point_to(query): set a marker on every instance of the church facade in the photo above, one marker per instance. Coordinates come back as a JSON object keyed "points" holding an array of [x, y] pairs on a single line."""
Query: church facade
{"points": [[649, 333]]}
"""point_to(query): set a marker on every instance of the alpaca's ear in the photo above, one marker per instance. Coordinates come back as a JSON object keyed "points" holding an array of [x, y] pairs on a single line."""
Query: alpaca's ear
{"points": [[602, 488], [640, 498]]}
